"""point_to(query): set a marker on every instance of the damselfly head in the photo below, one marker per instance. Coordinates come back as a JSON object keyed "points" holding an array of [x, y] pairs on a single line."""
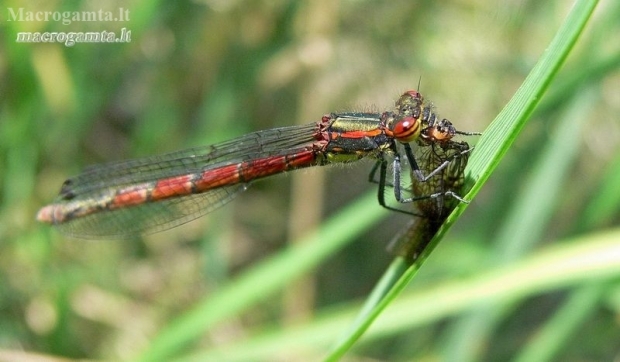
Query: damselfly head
{"points": [[441, 131], [410, 104]]}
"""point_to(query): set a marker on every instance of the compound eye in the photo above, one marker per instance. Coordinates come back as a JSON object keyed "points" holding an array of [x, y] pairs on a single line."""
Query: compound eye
{"points": [[436, 134], [439, 134], [446, 129], [414, 94], [407, 129]]}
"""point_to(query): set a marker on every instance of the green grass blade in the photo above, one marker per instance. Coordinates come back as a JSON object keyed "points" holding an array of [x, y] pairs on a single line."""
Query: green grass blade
{"points": [[502, 132], [494, 143], [524, 224]]}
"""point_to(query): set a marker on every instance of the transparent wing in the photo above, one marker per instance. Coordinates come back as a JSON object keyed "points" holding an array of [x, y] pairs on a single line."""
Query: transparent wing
{"points": [[149, 218], [90, 189]]}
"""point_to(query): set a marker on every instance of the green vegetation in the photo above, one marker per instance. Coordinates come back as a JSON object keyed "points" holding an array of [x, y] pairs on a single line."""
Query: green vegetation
{"points": [[527, 271]]}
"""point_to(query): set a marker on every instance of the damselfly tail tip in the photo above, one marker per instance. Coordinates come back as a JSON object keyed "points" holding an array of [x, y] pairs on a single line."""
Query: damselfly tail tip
{"points": [[46, 214], [51, 214]]}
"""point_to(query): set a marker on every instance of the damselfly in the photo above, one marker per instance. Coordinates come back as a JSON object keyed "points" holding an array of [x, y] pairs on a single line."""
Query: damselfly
{"points": [[156, 193], [446, 160]]}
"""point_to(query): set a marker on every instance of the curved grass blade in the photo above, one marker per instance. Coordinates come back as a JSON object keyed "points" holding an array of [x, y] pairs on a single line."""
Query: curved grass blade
{"points": [[493, 144]]}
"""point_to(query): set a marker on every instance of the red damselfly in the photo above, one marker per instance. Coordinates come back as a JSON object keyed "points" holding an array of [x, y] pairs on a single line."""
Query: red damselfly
{"points": [[156, 193]]}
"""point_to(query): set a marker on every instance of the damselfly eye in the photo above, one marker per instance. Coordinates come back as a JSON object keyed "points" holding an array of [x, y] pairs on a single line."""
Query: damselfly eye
{"points": [[443, 131], [414, 94], [407, 129]]}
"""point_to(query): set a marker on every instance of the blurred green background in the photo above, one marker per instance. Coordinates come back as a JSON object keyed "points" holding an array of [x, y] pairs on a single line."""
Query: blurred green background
{"points": [[201, 72]]}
